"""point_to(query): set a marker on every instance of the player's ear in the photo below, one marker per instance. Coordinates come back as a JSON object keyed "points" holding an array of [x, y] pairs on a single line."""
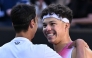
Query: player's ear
{"points": [[32, 22], [67, 25]]}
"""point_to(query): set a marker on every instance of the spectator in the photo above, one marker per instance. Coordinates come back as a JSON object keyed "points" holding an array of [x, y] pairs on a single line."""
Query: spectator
{"points": [[39, 5], [5, 9], [82, 11]]}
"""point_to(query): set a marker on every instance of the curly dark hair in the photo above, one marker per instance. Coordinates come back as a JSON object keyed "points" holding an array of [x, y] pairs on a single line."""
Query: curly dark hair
{"points": [[21, 15], [59, 9]]}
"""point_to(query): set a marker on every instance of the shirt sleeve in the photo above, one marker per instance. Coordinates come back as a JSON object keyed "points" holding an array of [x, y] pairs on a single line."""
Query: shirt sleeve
{"points": [[50, 53]]}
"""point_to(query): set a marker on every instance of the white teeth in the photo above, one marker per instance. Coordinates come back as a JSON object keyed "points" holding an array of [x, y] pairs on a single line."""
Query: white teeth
{"points": [[50, 35]]}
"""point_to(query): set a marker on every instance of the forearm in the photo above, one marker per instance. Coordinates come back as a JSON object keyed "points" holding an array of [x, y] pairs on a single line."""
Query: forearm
{"points": [[80, 52], [80, 48], [83, 20]]}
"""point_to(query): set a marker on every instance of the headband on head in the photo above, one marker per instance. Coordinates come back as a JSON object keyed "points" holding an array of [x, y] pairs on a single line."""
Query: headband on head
{"points": [[56, 16]]}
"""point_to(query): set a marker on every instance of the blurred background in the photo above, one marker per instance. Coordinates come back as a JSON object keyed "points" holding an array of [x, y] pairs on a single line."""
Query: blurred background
{"points": [[80, 27]]}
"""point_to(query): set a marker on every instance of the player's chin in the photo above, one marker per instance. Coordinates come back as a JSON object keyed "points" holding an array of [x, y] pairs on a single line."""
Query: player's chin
{"points": [[52, 41]]}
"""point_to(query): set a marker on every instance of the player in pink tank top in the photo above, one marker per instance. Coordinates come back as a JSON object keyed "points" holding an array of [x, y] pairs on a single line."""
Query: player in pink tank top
{"points": [[56, 20], [66, 52]]}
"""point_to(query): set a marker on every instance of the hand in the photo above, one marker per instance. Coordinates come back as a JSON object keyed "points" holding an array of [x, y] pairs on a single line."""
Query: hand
{"points": [[79, 43]]}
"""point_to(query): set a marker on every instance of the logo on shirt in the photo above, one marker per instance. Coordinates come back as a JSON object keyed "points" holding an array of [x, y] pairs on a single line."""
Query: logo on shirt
{"points": [[16, 43]]}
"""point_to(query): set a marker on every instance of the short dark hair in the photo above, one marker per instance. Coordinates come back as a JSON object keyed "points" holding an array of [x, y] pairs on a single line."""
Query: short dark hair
{"points": [[59, 9], [21, 15]]}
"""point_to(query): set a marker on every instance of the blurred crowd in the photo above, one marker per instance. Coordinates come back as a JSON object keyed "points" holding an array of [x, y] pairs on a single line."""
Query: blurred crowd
{"points": [[82, 11]]}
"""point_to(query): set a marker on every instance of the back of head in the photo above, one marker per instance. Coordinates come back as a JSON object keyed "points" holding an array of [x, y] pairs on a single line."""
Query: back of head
{"points": [[61, 10], [21, 15]]}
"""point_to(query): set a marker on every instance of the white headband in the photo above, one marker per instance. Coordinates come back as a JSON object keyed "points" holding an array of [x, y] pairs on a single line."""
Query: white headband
{"points": [[56, 16]]}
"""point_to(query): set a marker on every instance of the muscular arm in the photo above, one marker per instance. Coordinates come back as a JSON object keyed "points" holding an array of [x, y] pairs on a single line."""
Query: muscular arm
{"points": [[85, 53], [87, 20], [81, 50], [79, 53], [88, 52]]}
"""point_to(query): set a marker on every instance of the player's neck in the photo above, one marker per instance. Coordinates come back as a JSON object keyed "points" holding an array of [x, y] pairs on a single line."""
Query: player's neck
{"points": [[58, 47], [24, 34]]}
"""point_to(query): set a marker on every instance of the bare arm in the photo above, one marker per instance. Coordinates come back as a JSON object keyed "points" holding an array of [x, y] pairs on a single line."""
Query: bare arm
{"points": [[86, 20], [82, 21], [81, 54], [86, 53], [79, 50]]}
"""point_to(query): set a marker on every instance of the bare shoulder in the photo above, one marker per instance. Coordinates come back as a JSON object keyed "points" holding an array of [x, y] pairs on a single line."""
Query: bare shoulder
{"points": [[86, 53]]}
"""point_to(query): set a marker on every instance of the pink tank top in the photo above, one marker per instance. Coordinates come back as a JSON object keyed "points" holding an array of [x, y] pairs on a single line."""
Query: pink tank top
{"points": [[66, 52]]}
